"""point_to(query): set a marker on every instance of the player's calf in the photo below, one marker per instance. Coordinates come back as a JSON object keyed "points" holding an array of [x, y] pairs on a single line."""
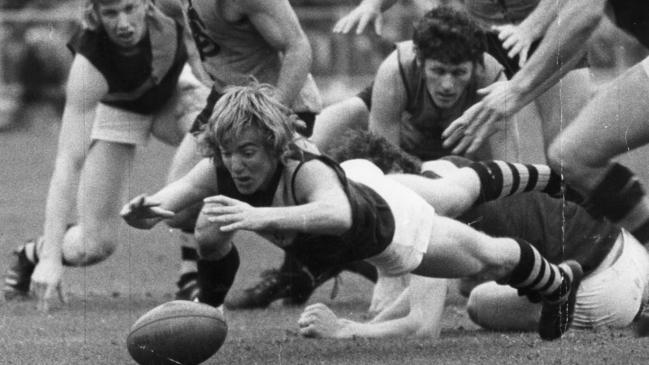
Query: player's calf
{"points": [[559, 308]]}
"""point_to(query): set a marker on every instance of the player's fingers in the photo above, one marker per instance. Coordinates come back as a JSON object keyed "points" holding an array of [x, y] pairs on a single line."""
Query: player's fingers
{"points": [[455, 137], [162, 213], [463, 145], [232, 227], [509, 42], [62, 296], [457, 125], [339, 26], [44, 294], [479, 119], [212, 209], [362, 23], [378, 25], [515, 50], [307, 331], [220, 199]]}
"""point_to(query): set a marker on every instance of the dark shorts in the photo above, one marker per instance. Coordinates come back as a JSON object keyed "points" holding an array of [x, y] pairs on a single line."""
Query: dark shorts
{"points": [[204, 116]]}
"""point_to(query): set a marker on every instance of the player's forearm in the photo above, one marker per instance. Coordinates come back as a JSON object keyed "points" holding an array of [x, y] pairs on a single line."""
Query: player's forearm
{"points": [[316, 218], [538, 21], [396, 309], [404, 326], [561, 49], [296, 63]]}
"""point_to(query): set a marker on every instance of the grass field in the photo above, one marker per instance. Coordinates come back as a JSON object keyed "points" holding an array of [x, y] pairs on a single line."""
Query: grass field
{"points": [[106, 299]]}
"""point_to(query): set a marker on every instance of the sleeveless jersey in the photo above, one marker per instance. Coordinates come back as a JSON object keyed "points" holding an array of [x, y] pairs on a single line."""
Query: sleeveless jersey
{"points": [[233, 52], [142, 82], [423, 122], [372, 227], [497, 12], [632, 16], [558, 231]]}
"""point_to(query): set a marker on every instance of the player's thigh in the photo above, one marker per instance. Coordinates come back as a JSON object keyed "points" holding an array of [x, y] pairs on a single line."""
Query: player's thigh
{"points": [[613, 122], [500, 308], [102, 181], [561, 104], [613, 296], [174, 120]]}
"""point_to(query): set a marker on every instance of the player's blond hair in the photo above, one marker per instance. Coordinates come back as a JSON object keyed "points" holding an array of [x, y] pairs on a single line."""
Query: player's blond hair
{"points": [[251, 107]]}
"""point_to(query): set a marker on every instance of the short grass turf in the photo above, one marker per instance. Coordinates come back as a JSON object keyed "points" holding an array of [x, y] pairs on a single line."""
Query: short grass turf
{"points": [[106, 299]]}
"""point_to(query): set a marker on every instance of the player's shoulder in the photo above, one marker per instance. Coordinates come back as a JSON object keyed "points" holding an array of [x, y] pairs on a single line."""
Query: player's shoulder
{"points": [[172, 8]]}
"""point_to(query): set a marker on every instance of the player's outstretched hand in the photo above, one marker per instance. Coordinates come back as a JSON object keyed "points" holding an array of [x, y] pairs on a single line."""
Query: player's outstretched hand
{"points": [[233, 215], [318, 321], [359, 18], [516, 40], [46, 283], [468, 132], [142, 212]]}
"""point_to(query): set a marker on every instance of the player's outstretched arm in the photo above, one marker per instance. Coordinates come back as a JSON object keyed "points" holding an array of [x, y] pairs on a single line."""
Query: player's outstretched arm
{"points": [[425, 298], [144, 212], [322, 207], [565, 41]]}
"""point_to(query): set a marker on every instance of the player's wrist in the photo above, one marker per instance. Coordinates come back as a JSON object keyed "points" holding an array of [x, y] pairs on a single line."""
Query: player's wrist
{"points": [[346, 329]]}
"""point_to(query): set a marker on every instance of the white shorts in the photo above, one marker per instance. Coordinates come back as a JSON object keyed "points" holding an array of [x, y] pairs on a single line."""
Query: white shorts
{"points": [[412, 219], [612, 296], [609, 297], [114, 124]]}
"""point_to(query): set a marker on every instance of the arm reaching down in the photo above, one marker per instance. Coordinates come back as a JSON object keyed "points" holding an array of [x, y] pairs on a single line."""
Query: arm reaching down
{"points": [[425, 296]]}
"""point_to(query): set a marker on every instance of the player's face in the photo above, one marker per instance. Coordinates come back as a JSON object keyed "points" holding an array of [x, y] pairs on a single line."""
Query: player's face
{"points": [[447, 81], [124, 21], [249, 162]]}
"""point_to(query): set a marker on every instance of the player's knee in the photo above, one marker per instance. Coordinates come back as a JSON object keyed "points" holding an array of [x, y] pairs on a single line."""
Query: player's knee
{"points": [[562, 157], [211, 244], [555, 155], [84, 250]]}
